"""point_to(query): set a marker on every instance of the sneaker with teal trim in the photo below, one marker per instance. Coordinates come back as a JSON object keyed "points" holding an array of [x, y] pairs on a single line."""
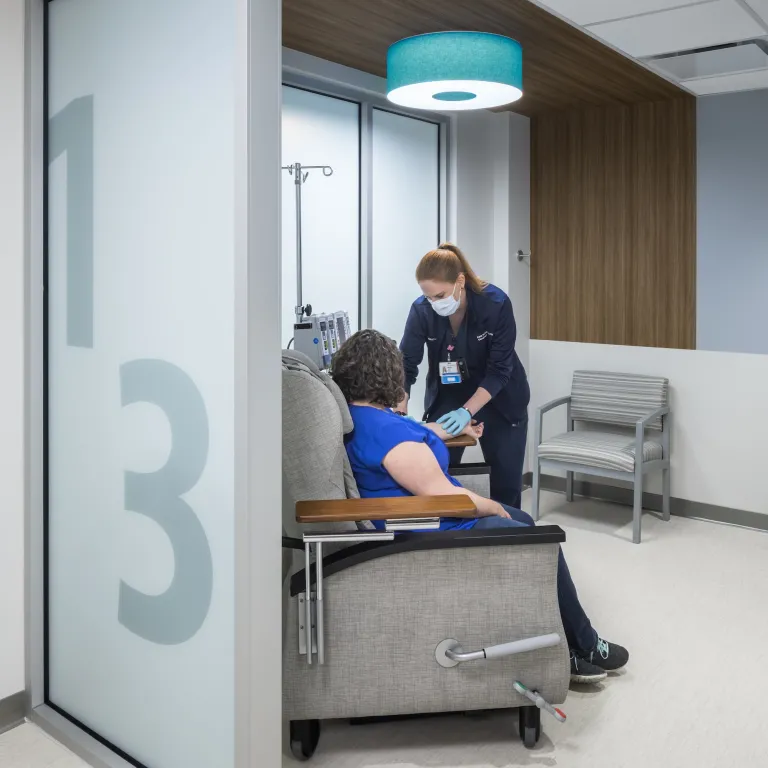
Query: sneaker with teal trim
{"points": [[607, 656], [584, 672]]}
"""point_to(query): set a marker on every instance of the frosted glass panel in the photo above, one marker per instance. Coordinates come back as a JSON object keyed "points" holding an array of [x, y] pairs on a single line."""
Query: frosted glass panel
{"points": [[321, 130], [406, 213], [141, 375]]}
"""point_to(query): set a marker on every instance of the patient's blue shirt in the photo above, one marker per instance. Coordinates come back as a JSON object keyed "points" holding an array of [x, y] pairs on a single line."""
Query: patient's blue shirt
{"points": [[376, 433]]}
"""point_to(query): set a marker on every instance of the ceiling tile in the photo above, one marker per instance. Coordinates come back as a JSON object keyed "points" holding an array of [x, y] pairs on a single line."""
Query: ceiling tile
{"points": [[696, 26], [745, 81], [592, 11]]}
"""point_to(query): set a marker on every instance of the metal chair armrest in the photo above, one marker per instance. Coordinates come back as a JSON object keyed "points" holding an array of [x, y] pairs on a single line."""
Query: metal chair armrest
{"points": [[553, 404], [539, 421], [641, 424]]}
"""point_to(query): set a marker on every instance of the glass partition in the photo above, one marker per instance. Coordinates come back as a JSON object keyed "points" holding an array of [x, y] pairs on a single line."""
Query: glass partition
{"points": [[321, 130], [365, 227], [140, 363], [406, 221]]}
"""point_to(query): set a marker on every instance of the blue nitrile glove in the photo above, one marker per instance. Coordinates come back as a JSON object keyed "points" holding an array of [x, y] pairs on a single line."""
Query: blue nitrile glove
{"points": [[455, 422]]}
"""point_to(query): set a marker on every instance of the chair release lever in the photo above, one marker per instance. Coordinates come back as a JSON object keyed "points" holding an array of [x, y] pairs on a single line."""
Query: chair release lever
{"points": [[449, 653]]}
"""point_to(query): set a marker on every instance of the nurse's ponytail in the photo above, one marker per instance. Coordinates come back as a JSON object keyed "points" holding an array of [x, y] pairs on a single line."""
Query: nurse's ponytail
{"points": [[445, 265]]}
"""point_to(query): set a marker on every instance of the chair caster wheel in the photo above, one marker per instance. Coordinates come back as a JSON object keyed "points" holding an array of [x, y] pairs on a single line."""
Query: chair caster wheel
{"points": [[530, 726], [305, 735]]}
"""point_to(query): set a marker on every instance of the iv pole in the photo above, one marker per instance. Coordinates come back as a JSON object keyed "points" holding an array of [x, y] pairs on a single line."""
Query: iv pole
{"points": [[300, 173]]}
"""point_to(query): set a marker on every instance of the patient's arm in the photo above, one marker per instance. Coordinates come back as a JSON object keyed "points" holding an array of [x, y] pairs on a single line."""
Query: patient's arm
{"points": [[474, 430], [415, 468]]}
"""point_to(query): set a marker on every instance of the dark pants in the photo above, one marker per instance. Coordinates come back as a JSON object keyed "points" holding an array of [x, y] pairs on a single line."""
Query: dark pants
{"points": [[503, 445], [578, 629]]}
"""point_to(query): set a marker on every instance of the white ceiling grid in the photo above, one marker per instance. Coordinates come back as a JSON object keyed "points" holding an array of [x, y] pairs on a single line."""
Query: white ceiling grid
{"points": [[646, 29], [585, 12], [741, 81]]}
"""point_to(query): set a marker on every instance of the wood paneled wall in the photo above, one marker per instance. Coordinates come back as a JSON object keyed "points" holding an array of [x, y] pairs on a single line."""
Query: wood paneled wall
{"points": [[613, 225]]}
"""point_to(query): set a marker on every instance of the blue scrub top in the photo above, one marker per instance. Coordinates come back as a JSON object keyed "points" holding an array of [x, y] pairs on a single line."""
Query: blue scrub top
{"points": [[453, 395], [488, 349], [375, 434]]}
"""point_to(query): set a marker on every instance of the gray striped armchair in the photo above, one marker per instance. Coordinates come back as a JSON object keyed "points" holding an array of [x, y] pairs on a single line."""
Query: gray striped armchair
{"points": [[622, 417]]}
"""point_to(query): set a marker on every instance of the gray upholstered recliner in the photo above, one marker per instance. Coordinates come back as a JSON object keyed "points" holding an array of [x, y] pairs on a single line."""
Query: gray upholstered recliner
{"points": [[417, 623]]}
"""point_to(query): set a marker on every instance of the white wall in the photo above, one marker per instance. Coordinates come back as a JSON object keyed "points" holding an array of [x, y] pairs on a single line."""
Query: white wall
{"points": [[519, 222], [732, 229], [493, 205], [492, 208], [11, 347], [475, 187], [719, 404]]}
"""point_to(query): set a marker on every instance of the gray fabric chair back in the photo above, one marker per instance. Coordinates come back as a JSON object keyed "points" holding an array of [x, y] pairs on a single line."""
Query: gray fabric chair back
{"points": [[617, 398], [315, 420]]}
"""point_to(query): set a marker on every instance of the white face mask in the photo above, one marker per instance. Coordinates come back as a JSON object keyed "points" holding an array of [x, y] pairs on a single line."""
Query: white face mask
{"points": [[447, 306]]}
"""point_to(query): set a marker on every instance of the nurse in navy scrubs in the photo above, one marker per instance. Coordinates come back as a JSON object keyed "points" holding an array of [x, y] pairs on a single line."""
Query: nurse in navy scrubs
{"points": [[468, 328]]}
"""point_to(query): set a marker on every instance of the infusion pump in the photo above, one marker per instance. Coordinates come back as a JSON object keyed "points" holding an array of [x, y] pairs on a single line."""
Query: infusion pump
{"points": [[319, 337]]}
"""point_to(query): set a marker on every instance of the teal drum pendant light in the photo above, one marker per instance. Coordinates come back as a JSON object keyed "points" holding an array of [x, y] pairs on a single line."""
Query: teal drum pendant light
{"points": [[455, 71]]}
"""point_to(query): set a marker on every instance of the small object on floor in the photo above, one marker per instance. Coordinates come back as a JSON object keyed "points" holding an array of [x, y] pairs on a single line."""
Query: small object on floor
{"points": [[539, 701], [584, 672], [607, 656]]}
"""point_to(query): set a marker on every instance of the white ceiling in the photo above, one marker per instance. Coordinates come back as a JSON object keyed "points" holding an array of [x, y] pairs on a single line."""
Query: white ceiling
{"points": [[652, 28], [760, 7], [680, 29], [742, 81], [594, 11]]}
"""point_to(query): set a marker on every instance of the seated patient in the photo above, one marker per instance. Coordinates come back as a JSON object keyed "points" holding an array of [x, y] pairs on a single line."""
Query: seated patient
{"points": [[392, 455]]}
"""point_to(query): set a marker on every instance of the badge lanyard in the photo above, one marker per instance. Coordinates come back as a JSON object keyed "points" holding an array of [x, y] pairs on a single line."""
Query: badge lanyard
{"points": [[449, 371]]}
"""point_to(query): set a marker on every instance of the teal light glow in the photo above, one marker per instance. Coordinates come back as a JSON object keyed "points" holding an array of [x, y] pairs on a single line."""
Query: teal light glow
{"points": [[455, 71], [455, 96]]}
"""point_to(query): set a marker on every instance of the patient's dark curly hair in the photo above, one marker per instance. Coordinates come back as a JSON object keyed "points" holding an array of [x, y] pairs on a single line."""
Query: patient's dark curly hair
{"points": [[369, 367]]}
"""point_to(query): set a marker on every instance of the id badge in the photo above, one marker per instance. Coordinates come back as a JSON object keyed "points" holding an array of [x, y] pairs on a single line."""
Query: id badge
{"points": [[450, 373]]}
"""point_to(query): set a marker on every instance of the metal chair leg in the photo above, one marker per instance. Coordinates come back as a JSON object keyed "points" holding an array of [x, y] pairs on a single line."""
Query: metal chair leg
{"points": [[569, 486], [666, 494], [637, 509], [536, 488]]}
